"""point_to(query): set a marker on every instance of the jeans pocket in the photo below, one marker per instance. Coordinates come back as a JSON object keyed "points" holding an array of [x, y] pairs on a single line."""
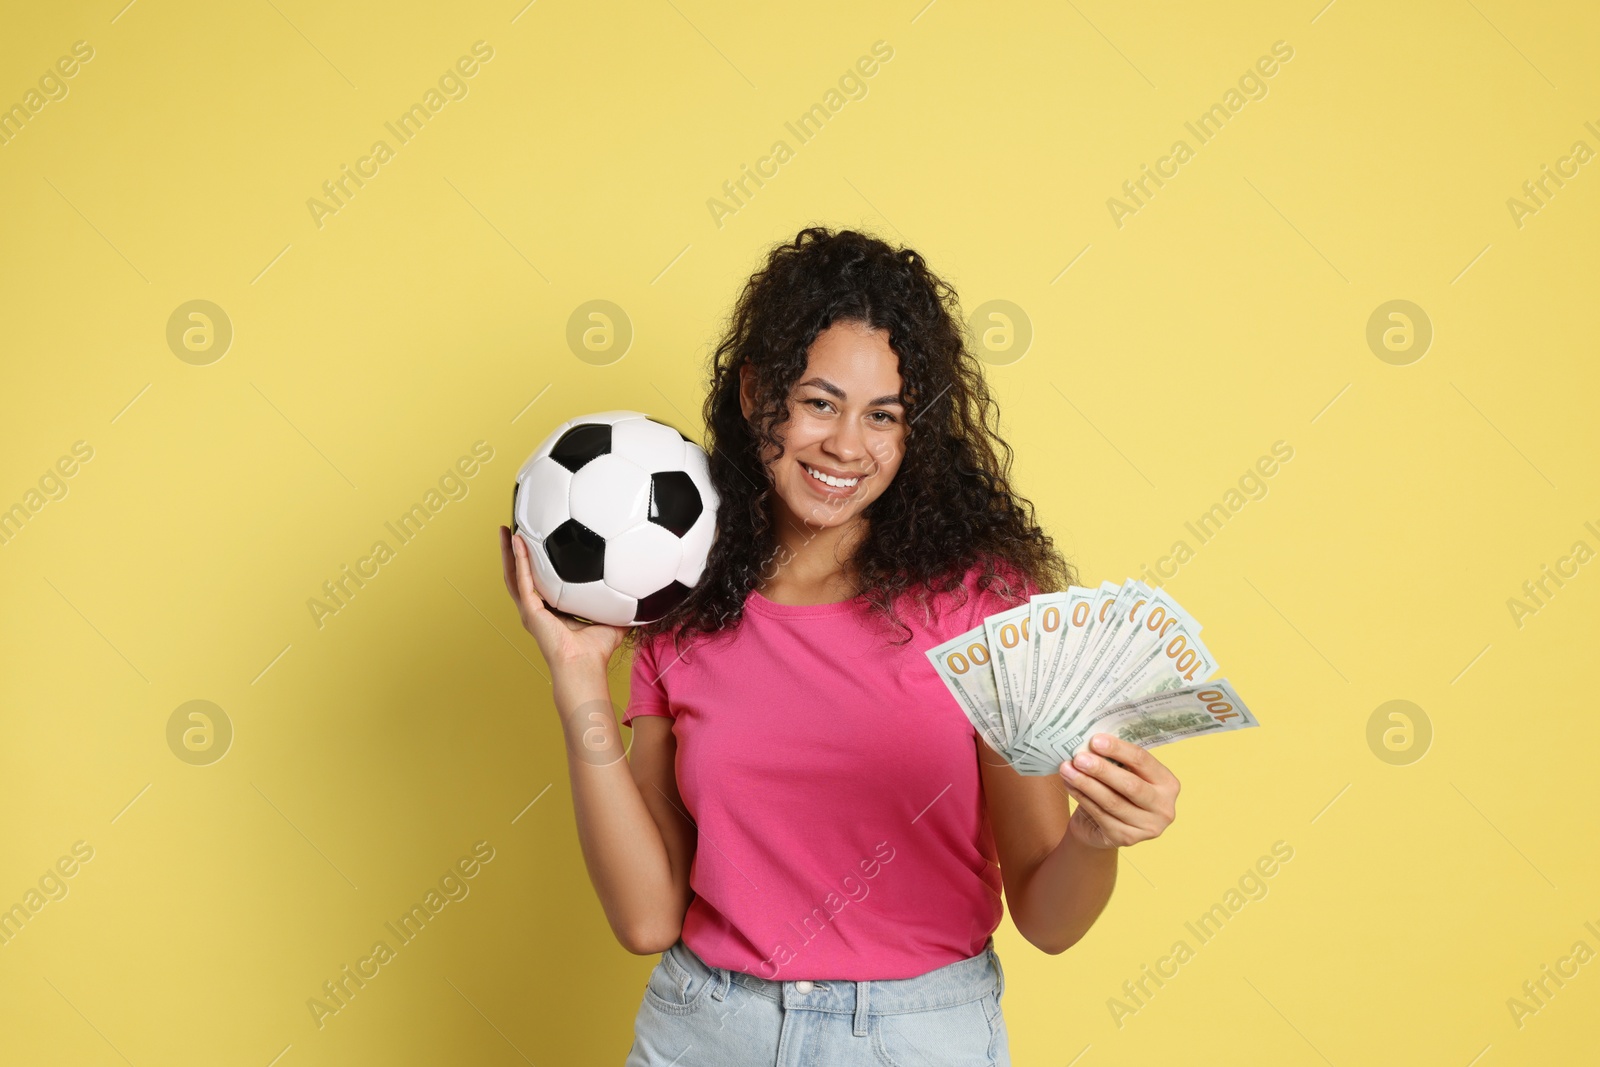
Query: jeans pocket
{"points": [[962, 1035], [678, 983]]}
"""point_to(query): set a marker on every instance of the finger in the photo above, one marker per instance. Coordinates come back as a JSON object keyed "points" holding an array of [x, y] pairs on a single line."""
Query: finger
{"points": [[508, 560], [513, 558], [1108, 799], [1113, 829], [529, 599], [1118, 778], [1130, 755]]}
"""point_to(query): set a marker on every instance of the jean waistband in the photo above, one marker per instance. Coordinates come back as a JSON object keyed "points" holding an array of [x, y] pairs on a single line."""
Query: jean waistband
{"points": [[954, 983]]}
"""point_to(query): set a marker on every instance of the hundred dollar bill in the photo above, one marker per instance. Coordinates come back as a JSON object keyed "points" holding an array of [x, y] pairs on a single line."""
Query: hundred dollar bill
{"points": [[963, 664], [1086, 611], [1158, 622], [1152, 721], [1179, 661], [1119, 641], [1118, 619], [1177, 658], [1081, 625], [1040, 606], [1051, 617], [1010, 650], [1182, 659]]}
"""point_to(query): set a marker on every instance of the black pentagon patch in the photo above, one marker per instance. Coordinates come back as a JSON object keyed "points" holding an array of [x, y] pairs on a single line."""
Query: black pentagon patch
{"points": [[581, 444], [660, 602], [674, 501], [515, 488], [576, 552]]}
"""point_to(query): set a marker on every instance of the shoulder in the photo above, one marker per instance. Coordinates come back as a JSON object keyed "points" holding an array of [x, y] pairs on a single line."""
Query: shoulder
{"points": [[998, 584], [649, 650], [657, 653], [982, 588], [993, 575]]}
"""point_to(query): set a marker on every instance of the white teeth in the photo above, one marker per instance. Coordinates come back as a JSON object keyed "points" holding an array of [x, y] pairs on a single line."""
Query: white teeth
{"points": [[837, 483]]}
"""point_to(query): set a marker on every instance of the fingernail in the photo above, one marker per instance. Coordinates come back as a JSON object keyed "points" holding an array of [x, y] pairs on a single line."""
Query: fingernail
{"points": [[1085, 761], [1101, 742], [1070, 771]]}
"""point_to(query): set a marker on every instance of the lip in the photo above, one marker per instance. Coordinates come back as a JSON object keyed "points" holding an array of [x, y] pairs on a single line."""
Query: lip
{"points": [[827, 491], [831, 472]]}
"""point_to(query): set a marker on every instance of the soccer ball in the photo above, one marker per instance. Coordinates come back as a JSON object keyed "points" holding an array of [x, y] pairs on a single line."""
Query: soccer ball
{"points": [[619, 516]]}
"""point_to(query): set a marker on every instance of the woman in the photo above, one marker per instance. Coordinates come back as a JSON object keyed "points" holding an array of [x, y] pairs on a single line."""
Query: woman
{"points": [[809, 827]]}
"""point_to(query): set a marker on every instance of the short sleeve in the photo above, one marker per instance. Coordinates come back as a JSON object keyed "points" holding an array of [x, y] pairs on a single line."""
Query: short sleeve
{"points": [[647, 693]]}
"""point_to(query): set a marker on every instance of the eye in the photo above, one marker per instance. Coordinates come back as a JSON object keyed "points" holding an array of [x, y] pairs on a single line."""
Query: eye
{"points": [[887, 419], [818, 400]]}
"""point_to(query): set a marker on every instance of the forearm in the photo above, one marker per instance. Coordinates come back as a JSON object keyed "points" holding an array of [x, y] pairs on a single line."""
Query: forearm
{"points": [[1065, 894], [623, 851]]}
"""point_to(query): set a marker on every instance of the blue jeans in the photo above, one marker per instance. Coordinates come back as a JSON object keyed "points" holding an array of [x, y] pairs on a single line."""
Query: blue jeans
{"points": [[696, 1015]]}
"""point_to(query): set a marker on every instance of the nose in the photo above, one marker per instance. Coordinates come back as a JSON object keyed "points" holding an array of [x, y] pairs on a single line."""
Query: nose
{"points": [[846, 442]]}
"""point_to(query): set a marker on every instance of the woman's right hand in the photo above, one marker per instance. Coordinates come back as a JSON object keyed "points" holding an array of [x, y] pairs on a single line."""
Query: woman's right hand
{"points": [[562, 639]]}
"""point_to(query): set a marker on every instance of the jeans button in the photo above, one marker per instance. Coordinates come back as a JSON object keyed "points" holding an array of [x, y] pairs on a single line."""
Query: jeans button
{"points": [[802, 986]]}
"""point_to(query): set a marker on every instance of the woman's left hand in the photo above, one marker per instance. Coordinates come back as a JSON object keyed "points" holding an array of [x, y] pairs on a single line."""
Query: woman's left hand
{"points": [[1118, 806]]}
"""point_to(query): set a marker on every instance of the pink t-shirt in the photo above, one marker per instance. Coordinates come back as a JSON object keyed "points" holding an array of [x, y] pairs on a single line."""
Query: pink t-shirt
{"points": [[835, 784]]}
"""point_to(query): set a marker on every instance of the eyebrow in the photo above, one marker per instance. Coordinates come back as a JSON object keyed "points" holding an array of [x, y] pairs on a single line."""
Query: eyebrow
{"points": [[828, 387]]}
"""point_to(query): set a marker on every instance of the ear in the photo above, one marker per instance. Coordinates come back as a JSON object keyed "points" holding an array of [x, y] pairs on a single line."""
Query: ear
{"points": [[746, 389]]}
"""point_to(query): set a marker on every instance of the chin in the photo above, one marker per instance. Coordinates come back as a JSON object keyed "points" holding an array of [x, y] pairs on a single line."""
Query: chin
{"points": [[822, 517]]}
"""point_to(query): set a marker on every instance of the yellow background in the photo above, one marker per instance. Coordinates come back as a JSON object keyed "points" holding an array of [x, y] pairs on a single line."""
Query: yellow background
{"points": [[368, 354]]}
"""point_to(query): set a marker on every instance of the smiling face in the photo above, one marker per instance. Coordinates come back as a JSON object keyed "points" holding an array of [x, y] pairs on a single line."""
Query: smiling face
{"points": [[846, 421]]}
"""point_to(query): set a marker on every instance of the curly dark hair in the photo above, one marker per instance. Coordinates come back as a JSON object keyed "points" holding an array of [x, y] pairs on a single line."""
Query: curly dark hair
{"points": [[949, 506]]}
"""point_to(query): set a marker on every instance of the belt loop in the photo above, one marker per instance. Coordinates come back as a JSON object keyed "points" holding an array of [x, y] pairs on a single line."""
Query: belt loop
{"points": [[861, 1008], [723, 976], [999, 971]]}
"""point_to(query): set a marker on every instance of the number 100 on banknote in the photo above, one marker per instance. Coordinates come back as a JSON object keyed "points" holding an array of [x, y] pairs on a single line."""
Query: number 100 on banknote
{"points": [[1038, 680]]}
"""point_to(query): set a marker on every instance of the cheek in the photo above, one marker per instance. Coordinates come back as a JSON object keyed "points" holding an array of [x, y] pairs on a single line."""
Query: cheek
{"points": [[887, 455], [808, 430]]}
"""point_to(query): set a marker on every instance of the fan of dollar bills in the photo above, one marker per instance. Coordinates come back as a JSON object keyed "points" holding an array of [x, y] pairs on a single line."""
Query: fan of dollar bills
{"points": [[1038, 680]]}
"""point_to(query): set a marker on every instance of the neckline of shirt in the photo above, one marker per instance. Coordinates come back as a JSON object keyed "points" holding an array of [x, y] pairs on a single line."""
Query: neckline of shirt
{"points": [[757, 602]]}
